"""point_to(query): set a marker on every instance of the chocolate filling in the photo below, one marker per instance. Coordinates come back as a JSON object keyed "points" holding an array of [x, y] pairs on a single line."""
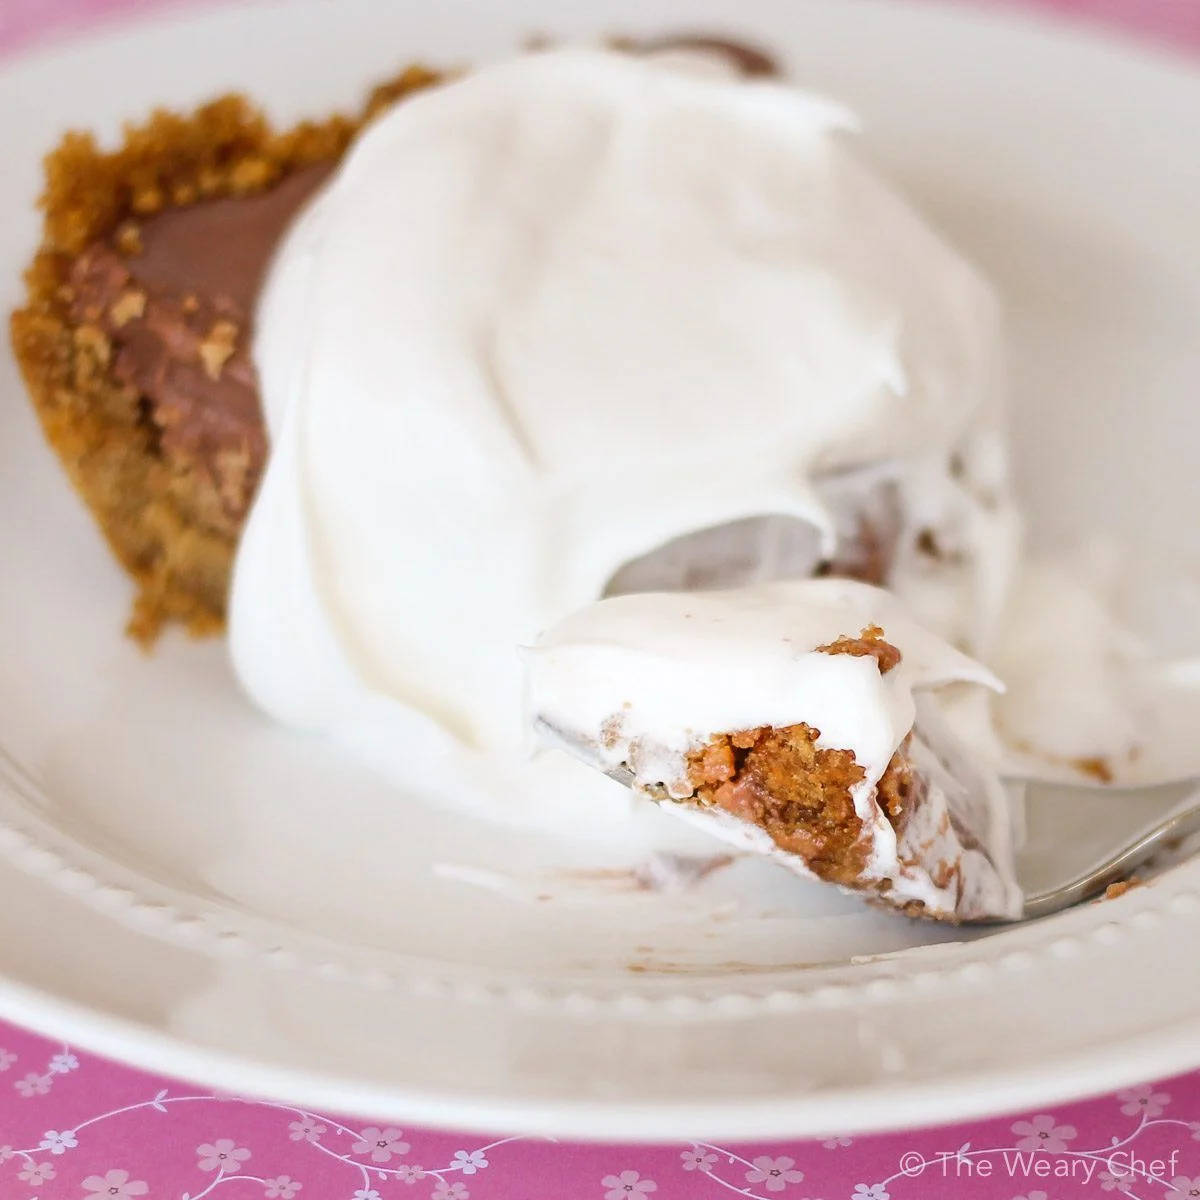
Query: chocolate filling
{"points": [[177, 297], [750, 60]]}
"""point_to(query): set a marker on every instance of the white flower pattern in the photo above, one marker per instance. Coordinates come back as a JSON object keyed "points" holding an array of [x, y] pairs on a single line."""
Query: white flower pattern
{"points": [[283, 1187], [33, 1085], [7, 1058], [307, 1129], [35, 1174], [381, 1144], [450, 1191], [223, 1155], [469, 1161], [1184, 1188], [1144, 1099], [697, 1159], [1043, 1132], [628, 1185], [62, 1063], [58, 1143], [116, 1185], [774, 1173]]}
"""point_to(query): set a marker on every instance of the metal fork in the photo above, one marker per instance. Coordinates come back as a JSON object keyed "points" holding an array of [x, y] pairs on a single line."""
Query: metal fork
{"points": [[1080, 837]]}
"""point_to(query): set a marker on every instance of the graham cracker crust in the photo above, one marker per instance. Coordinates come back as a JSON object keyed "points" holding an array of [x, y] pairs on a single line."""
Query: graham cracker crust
{"points": [[157, 513]]}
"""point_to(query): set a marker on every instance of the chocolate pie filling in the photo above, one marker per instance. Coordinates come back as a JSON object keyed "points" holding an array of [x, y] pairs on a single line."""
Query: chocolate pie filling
{"points": [[177, 298]]}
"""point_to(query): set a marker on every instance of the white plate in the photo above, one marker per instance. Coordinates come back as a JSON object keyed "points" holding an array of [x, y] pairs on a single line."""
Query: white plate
{"points": [[200, 893]]}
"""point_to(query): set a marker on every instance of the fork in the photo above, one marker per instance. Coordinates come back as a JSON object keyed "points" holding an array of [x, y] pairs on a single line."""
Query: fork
{"points": [[1079, 837]]}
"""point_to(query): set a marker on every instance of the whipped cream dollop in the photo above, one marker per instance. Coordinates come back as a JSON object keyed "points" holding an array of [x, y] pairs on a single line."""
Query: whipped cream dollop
{"points": [[645, 681], [561, 312]]}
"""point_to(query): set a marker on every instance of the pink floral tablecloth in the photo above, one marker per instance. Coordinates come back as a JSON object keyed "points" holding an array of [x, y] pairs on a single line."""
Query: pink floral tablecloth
{"points": [[77, 1127]]}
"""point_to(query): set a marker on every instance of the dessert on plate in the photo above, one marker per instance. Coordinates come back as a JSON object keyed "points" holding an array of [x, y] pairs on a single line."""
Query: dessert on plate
{"points": [[392, 395]]}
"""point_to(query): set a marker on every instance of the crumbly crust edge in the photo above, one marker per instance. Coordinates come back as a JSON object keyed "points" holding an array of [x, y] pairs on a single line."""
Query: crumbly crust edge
{"points": [[101, 429]]}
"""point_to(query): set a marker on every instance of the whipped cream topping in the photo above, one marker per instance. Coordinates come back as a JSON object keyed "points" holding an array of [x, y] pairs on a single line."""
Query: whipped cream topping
{"points": [[641, 681], [554, 315]]}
